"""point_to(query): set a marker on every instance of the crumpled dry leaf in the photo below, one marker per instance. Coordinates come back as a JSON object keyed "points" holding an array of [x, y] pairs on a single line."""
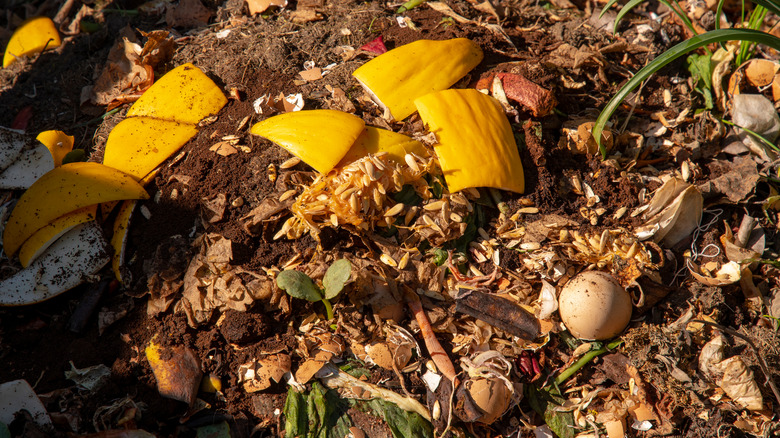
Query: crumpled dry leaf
{"points": [[188, 13], [211, 283], [672, 214], [269, 210], [577, 137], [259, 374], [736, 184], [124, 72], [260, 6], [738, 383], [165, 273], [213, 210]]}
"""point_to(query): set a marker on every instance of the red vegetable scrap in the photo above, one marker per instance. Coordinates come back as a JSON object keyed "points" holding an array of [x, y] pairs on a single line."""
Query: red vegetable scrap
{"points": [[537, 100], [377, 46]]}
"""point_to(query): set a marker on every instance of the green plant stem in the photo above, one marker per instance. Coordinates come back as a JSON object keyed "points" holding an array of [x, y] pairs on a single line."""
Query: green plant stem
{"points": [[328, 308], [755, 134], [587, 357], [411, 4], [122, 11]]}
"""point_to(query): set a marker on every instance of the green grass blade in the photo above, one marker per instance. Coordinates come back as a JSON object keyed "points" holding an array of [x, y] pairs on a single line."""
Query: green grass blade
{"points": [[715, 36], [773, 6], [606, 7], [623, 11]]}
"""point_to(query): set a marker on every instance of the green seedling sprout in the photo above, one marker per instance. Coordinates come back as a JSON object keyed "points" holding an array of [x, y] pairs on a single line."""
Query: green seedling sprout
{"points": [[299, 285]]}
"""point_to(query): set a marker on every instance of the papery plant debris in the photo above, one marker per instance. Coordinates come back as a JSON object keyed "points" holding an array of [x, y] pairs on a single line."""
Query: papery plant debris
{"points": [[432, 175]]}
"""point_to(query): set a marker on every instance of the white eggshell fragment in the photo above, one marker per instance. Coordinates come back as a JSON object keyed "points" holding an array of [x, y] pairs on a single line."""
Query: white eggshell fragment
{"points": [[79, 253], [594, 306]]}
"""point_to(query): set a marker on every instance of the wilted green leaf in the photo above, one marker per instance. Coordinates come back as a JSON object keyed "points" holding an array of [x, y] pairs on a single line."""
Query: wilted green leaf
{"points": [[544, 401], [295, 419], [402, 424], [298, 285], [336, 277], [700, 68], [320, 413]]}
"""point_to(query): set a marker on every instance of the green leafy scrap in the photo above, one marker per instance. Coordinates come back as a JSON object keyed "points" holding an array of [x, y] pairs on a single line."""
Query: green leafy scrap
{"points": [[298, 285], [403, 424], [545, 402], [700, 68], [320, 413], [336, 277]]}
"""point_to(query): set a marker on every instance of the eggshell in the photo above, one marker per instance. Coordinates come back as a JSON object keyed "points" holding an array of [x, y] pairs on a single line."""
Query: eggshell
{"points": [[593, 305]]}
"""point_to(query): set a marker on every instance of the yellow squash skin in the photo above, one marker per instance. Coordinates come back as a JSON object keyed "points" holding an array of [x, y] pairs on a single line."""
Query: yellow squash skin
{"points": [[320, 138], [59, 144], [62, 190], [32, 36], [375, 140], [119, 238], [43, 238], [476, 146], [184, 94], [137, 145], [398, 77]]}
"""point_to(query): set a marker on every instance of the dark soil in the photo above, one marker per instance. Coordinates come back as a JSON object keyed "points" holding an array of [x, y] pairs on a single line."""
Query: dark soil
{"points": [[263, 55]]}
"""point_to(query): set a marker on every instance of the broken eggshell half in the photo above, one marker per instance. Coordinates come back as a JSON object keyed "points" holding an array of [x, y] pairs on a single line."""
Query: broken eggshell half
{"points": [[476, 147], [594, 306], [396, 78]]}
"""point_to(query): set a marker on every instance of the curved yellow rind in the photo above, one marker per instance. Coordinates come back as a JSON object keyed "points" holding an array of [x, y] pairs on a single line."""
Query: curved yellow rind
{"points": [[32, 36], [184, 94], [476, 145], [398, 77], [374, 140], [58, 143], [43, 238], [320, 138], [62, 190], [119, 238], [137, 145]]}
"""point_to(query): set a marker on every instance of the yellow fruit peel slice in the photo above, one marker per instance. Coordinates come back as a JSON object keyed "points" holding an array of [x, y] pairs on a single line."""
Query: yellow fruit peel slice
{"points": [[321, 138], [58, 143], [398, 77], [32, 36], [374, 140], [62, 190], [476, 147], [43, 238], [137, 145], [184, 94], [119, 238]]}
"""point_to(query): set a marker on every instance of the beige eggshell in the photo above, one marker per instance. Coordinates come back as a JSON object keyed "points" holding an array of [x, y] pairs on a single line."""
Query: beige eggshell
{"points": [[491, 396], [593, 305]]}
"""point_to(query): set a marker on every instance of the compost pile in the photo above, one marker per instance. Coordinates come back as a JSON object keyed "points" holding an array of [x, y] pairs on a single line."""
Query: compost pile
{"points": [[330, 219]]}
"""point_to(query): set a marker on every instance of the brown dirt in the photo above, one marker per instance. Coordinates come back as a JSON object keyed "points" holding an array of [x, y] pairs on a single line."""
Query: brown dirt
{"points": [[263, 55]]}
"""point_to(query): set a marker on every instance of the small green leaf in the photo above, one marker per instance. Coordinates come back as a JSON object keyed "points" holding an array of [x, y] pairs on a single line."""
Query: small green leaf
{"points": [[683, 48], [439, 256], [402, 423], [298, 285], [336, 277]]}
